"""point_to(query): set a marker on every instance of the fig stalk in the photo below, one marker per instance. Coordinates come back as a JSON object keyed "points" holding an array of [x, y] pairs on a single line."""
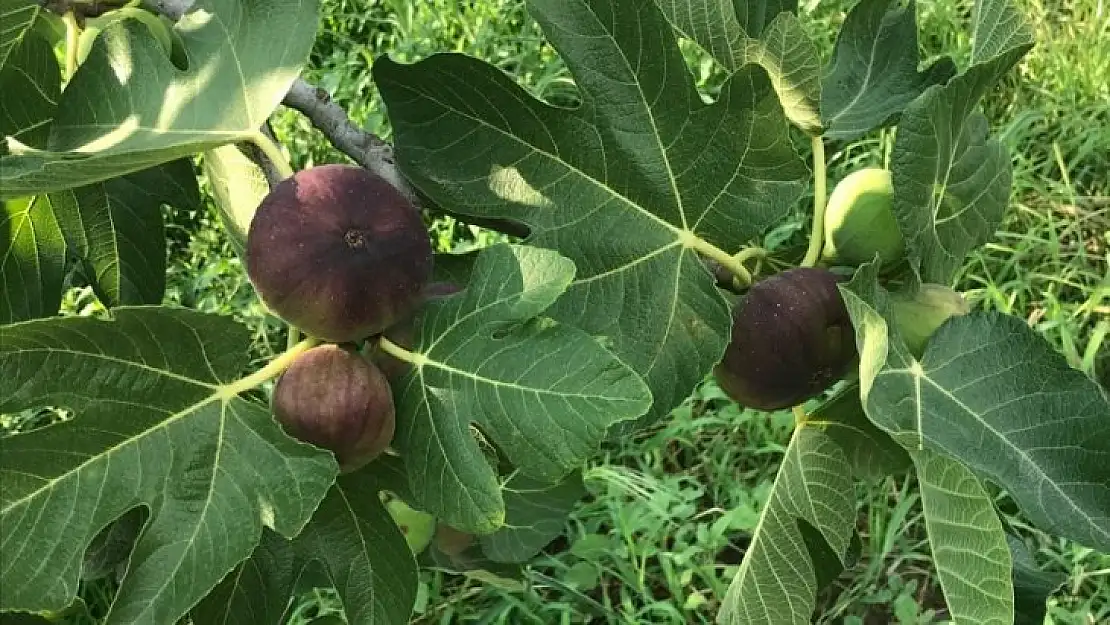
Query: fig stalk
{"points": [[817, 235]]}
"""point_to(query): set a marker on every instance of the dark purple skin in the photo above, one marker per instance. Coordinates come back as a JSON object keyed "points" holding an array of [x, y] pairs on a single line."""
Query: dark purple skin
{"points": [[334, 398], [338, 252], [792, 338]]}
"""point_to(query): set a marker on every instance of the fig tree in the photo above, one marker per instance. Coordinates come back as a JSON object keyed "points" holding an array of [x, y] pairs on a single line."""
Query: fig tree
{"points": [[334, 398], [791, 339], [338, 252], [859, 220], [918, 316]]}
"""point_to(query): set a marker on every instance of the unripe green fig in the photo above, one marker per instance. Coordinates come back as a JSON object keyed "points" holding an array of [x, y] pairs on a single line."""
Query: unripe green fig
{"points": [[334, 398], [859, 220], [792, 338], [918, 316], [159, 27], [338, 252], [418, 527]]}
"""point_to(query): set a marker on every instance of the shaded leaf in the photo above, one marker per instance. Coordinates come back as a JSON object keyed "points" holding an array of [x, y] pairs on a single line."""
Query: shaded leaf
{"points": [[112, 546], [790, 58], [993, 394], [354, 541], [873, 73], [871, 452], [114, 228], [999, 28], [543, 393], [628, 186], [535, 514], [128, 108], [30, 78], [778, 579], [967, 541], [1032, 585], [951, 180], [156, 425], [32, 259], [765, 32], [724, 28]]}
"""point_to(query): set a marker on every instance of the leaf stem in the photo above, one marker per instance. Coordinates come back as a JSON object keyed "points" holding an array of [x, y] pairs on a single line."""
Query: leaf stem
{"points": [[73, 32], [817, 235], [725, 259], [272, 369], [748, 253], [273, 153], [400, 353], [800, 416]]}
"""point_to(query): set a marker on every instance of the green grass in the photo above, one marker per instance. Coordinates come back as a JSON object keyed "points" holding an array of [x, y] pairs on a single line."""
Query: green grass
{"points": [[670, 511]]}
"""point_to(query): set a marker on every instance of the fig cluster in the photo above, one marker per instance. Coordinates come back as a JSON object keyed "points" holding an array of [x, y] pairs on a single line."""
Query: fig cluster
{"points": [[792, 338], [341, 254]]}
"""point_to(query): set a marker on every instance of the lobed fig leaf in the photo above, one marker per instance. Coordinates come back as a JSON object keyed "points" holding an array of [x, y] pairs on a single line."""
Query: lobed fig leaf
{"points": [[917, 316], [336, 399], [338, 252], [859, 220], [792, 338]]}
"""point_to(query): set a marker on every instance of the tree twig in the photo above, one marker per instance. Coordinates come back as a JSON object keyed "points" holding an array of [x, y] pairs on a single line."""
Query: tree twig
{"points": [[366, 148]]}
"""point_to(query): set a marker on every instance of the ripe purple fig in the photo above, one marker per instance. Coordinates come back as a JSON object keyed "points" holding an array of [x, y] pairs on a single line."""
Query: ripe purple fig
{"points": [[792, 338], [338, 252], [334, 398]]}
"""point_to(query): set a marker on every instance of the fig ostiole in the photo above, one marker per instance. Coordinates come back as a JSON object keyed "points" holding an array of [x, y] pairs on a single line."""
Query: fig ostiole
{"points": [[917, 316], [859, 221], [792, 339], [338, 252], [334, 398]]}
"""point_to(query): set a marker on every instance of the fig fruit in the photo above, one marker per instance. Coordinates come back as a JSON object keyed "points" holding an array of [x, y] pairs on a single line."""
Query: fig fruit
{"points": [[917, 316], [859, 220], [417, 526], [336, 399], [451, 541], [791, 339], [338, 252]]}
